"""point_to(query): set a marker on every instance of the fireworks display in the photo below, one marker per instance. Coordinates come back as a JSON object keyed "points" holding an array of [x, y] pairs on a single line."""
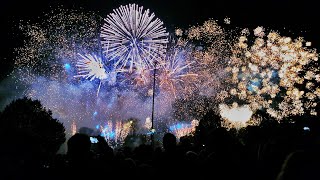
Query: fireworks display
{"points": [[89, 74], [276, 73], [54, 42], [183, 129], [235, 116], [176, 74], [133, 37], [115, 133], [91, 67]]}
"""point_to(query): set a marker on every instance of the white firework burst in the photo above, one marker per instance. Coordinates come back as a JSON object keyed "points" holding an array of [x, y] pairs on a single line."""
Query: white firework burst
{"points": [[91, 67], [132, 37]]}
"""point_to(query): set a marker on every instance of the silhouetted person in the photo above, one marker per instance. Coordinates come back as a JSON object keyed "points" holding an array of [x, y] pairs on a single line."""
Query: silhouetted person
{"points": [[143, 154], [171, 160], [79, 153], [221, 155], [81, 162], [104, 149], [300, 165], [169, 142], [104, 156]]}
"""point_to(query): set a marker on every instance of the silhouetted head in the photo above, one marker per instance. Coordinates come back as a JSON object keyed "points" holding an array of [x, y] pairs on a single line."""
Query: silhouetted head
{"points": [[300, 165], [169, 141], [79, 144], [191, 156]]}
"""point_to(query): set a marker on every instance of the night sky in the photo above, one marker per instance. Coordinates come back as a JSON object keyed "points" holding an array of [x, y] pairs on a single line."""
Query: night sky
{"points": [[288, 17]]}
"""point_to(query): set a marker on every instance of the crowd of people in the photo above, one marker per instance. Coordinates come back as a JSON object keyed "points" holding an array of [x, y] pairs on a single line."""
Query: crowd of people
{"points": [[285, 150], [270, 153]]}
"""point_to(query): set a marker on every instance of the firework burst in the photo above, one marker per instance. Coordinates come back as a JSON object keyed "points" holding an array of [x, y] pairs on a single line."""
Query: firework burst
{"points": [[269, 75], [91, 67], [132, 37], [235, 116], [175, 72]]}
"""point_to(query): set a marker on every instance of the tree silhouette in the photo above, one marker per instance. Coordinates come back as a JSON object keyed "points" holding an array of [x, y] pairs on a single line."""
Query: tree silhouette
{"points": [[26, 127]]}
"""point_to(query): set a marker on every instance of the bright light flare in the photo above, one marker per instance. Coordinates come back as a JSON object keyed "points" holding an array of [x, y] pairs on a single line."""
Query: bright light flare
{"points": [[235, 114], [181, 129], [115, 132]]}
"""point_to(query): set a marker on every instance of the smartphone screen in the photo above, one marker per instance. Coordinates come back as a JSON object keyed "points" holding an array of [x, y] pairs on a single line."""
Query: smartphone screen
{"points": [[93, 140]]}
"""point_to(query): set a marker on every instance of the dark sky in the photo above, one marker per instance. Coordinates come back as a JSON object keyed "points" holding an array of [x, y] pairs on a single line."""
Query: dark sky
{"points": [[301, 17]]}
